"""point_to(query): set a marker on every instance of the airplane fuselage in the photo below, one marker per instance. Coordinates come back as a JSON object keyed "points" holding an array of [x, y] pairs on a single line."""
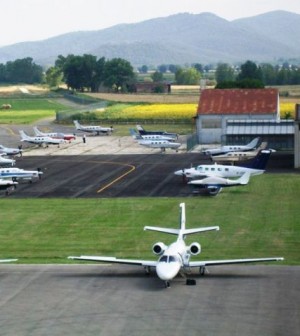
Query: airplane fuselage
{"points": [[18, 173], [217, 170]]}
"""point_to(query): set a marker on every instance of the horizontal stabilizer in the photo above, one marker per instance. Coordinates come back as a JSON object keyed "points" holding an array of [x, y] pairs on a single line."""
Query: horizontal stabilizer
{"points": [[182, 232]]}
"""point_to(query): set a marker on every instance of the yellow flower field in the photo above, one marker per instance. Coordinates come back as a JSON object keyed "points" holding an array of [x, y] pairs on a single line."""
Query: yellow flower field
{"points": [[287, 109]]}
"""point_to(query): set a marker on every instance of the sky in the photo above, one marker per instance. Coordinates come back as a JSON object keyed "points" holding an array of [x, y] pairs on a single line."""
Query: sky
{"points": [[32, 20]]}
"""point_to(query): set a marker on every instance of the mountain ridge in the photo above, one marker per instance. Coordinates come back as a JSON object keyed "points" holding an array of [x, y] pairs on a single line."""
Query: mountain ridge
{"points": [[177, 39]]}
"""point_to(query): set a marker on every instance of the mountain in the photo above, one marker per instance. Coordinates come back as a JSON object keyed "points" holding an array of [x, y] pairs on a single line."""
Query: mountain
{"points": [[178, 39]]}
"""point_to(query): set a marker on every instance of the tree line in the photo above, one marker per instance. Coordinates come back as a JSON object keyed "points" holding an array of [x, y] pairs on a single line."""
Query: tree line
{"points": [[87, 72]]}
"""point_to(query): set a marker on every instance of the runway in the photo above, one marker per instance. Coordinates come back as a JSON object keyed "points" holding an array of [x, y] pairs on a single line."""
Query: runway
{"points": [[121, 300]]}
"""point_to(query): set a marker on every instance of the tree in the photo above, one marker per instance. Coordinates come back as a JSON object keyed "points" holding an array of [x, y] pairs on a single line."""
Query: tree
{"points": [[268, 74], [162, 68], [187, 76], [118, 74], [143, 69], [24, 71], [54, 76], [157, 76], [250, 70], [173, 68], [224, 73], [198, 67]]}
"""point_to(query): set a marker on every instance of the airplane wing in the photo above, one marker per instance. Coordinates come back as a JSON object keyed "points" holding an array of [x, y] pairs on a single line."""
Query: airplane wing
{"points": [[231, 261], [116, 260], [7, 260]]}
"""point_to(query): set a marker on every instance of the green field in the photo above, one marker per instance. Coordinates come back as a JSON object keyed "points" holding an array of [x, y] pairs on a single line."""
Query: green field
{"points": [[258, 220], [27, 111]]}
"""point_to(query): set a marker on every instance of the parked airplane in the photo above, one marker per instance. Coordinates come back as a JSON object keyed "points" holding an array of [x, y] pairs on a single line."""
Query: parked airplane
{"points": [[19, 174], [238, 156], [40, 140], [138, 136], [255, 167], [142, 131], [225, 149], [93, 129], [214, 184], [162, 144], [7, 185], [10, 151], [54, 135], [5, 161], [175, 258]]}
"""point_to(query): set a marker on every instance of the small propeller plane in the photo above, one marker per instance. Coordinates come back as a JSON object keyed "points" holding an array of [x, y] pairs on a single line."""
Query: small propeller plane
{"points": [[142, 131], [93, 129], [162, 144], [54, 135], [225, 149], [40, 140], [6, 161], [19, 174], [7, 185], [10, 151], [255, 167], [175, 258], [214, 184]]}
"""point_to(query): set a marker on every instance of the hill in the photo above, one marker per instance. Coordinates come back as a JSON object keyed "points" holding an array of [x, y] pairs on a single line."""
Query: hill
{"points": [[177, 39]]}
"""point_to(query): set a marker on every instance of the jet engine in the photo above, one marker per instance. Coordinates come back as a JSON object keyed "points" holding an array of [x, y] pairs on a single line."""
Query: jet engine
{"points": [[159, 248], [194, 248]]}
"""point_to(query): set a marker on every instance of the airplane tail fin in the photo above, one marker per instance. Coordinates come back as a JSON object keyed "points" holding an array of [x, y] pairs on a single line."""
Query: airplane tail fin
{"points": [[260, 161], [37, 132], [134, 134], [24, 136], [253, 143], [77, 125], [182, 231]]}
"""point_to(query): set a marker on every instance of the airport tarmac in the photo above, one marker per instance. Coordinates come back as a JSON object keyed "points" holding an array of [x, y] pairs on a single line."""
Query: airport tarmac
{"points": [[121, 300]]}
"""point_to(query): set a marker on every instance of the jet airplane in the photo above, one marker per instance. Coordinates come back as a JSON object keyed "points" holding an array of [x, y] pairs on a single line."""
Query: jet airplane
{"points": [[142, 131], [214, 184], [54, 135], [225, 149], [93, 129], [19, 174], [6, 161], [255, 167], [10, 151], [175, 258], [40, 140]]}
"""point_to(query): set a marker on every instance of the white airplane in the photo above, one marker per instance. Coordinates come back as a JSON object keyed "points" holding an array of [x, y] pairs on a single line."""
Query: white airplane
{"points": [[10, 151], [54, 135], [93, 129], [7, 185], [138, 136], [238, 156], [175, 258], [142, 131], [256, 167], [5, 161], [19, 174], [40, 140], [214, 184], [225, 149], [162, 144]]}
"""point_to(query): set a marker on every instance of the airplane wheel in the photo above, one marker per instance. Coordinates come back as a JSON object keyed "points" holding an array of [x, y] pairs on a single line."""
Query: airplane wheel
{"points": [[167, 284]]}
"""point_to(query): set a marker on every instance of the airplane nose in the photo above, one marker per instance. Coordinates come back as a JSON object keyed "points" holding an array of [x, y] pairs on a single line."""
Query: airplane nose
{"points": [[179, 172], [167, 271]]}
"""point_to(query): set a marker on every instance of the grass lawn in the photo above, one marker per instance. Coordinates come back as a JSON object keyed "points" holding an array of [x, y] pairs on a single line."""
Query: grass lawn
{"points": [[259, 220], [27, 111]]}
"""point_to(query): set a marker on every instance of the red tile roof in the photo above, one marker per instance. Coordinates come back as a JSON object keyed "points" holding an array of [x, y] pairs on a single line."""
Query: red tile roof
{"points": [[238, 101]]}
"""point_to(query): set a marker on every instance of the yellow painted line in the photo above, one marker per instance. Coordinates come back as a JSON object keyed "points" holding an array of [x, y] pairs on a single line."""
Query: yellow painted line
{"points": [[132, 168], [9, 130]]}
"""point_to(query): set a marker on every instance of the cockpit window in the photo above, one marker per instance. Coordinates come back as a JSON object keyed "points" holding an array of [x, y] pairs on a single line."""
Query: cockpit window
{"points": [[173, 258], [163, 259]]}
